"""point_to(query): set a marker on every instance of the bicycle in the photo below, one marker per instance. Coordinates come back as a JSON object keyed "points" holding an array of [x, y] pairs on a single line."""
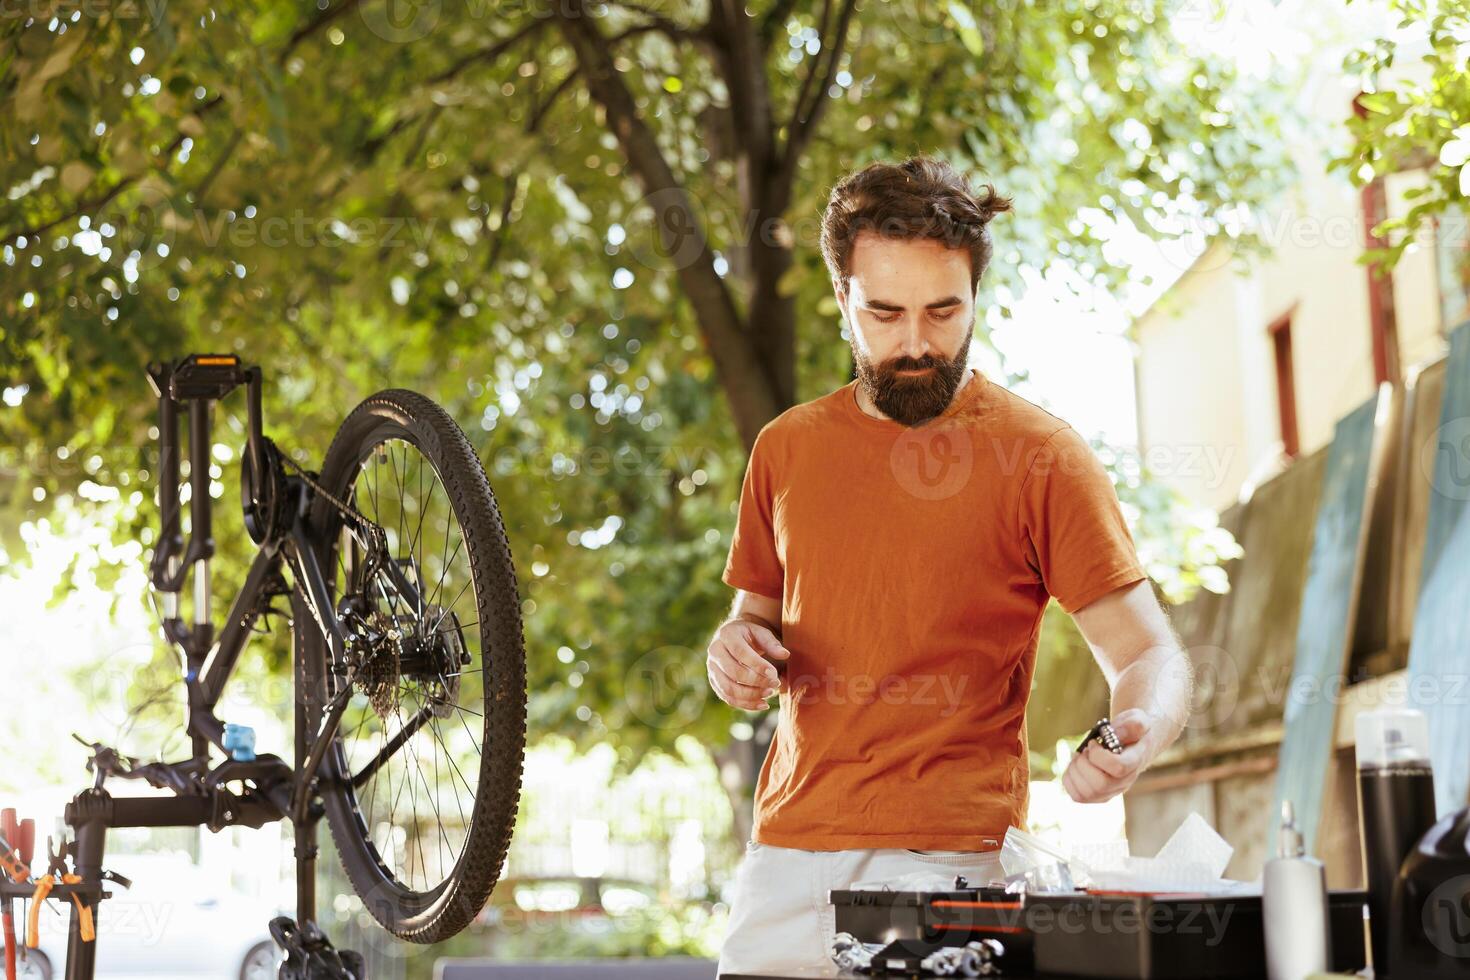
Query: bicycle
{"points": [[391, 674]]}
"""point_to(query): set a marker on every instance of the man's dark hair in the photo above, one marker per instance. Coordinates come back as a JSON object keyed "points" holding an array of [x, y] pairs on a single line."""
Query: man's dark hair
{"points": [[919, 198]]}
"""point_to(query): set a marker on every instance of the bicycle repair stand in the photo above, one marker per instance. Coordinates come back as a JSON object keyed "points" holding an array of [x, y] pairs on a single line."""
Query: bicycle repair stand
{"points": [[270, 789], [309, 954]]}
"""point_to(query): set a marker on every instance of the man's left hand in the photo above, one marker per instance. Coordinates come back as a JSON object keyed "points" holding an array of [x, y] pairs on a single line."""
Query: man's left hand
{"points": [[1097, 775]]}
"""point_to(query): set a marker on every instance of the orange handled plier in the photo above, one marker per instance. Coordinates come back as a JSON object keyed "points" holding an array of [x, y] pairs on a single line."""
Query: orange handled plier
{"points": [[43, 889]]}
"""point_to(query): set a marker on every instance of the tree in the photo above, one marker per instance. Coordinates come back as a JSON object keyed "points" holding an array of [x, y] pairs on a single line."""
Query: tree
{"points": [[1413, 116], [590, 229]]}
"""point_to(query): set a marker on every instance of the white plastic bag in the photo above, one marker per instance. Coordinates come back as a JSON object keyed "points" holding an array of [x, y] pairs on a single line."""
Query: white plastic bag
{"points": [[1032, 864]]}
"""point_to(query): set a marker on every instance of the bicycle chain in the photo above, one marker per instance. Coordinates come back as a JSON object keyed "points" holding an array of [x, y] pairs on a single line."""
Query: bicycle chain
{"points": [[351, 513], [372, 530]]}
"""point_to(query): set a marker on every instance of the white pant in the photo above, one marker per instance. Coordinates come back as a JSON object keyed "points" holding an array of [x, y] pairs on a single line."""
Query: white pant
{"points": [[780, 919]]}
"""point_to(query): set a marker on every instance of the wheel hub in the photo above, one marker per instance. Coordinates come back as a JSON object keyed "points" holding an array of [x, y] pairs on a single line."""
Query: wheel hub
{"points": [[427, 651]]}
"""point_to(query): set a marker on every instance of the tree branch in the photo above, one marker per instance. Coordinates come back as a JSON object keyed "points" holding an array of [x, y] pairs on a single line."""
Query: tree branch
{"points": [[666, 25], [202, 188], [805, 117], [507, 205], [488, 54], [91, 204], [774, 20], [538, 113], [743, 67], [316, 24], [804, 93], [750, 389]]}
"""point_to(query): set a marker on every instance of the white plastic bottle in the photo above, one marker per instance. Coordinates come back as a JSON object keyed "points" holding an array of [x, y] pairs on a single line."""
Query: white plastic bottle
{"points": [[1294, 906]]}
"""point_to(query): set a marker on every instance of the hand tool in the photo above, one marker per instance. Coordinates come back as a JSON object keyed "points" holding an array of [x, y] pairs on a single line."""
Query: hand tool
{"points": [[1102, 732], [8, 830], [14, 859], [57, 874], [43, 888], [26, 845]]}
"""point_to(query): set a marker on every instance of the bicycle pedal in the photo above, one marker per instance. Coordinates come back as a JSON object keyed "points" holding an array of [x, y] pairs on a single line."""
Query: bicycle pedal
{"points": [[310, 955], [211, 376]]}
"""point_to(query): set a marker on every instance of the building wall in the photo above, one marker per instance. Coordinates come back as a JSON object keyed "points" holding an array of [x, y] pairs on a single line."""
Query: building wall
{"points": [[1205, 372], [1315, 275], [1191, 362], [1243, 648], [1418, 297], [1205, 367]]}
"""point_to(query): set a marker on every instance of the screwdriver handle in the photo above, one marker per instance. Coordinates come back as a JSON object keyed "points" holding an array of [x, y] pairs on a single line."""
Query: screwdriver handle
{"points": [[25, 840]]}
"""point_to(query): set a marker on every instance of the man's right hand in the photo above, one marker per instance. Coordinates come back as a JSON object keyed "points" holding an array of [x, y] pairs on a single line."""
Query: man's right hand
{"points": [[739, 664]]}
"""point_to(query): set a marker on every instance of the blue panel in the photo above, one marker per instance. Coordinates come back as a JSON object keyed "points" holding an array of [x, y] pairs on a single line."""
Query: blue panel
{"points": [[1325, 628], [1439, 652]]}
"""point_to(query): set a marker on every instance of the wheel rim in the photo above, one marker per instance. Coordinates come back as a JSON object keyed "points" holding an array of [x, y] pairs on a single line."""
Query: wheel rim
{"points": [[260, 964], [410, 742]]}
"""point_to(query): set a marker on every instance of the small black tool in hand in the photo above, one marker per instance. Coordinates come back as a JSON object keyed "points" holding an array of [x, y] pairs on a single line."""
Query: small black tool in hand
{"points": [[1102, 732]]}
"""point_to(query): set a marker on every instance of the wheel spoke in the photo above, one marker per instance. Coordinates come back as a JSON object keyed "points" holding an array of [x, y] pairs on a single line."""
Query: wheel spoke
{"points": [[396, 476], [393, 745]]}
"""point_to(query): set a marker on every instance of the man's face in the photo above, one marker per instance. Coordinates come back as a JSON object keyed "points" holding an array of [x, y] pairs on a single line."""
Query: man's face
{"points": [[911, 310]]}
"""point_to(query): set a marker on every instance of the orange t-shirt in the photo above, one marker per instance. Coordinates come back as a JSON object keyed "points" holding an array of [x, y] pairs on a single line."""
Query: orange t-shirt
{"points": [[913, 566]]}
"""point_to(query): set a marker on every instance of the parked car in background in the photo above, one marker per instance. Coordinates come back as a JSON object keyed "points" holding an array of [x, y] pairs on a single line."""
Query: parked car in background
{"points": [[175, 922], [554, 897]]}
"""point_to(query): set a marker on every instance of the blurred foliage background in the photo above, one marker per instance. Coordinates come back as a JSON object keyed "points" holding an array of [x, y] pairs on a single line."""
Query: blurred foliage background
{"points": [[589, 230]]}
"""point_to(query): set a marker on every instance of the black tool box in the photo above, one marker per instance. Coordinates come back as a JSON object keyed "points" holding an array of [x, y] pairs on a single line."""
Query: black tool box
{"points": [[1164, 937], [1104, 934], [943, 918]]}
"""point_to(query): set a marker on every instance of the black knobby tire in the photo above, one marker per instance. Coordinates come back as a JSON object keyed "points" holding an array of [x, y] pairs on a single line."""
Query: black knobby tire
{"points": [[427, 914]]}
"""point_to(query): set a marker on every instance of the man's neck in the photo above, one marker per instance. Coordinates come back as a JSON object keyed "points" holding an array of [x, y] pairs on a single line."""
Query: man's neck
{"points": [[865, 401]]}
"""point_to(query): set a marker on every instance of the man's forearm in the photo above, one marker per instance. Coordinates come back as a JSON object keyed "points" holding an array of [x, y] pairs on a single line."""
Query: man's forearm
{"points": [[743, 609], [750, 617], [1159, 682]]}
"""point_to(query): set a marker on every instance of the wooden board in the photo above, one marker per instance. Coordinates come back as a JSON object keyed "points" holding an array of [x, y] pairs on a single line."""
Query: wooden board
{"points": [[1328, 608], [1439, 649]]}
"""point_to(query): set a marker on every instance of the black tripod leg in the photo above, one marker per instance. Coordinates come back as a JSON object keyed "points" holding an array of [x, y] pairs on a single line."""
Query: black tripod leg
{"points": [[304, 828], [89, 823], [306, 874], [81, 956]]}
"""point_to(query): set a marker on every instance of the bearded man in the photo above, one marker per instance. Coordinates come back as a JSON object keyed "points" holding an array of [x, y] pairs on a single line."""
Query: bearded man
{"points": [[897, 542]]}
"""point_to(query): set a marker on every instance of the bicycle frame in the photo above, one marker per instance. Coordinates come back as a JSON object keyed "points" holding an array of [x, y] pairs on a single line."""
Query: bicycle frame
{"points": [[270, 788]]}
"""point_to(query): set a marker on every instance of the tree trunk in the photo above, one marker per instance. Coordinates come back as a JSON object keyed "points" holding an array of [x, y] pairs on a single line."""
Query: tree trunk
{"points": [[754, 354]]}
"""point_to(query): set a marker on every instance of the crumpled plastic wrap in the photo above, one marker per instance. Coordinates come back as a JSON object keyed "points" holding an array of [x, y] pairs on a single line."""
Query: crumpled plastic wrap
{"points": [[1192, 860], [1033, 865]]}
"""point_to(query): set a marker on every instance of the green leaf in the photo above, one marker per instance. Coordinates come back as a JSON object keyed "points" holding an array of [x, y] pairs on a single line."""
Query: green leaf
{"points": [[969, 31]]}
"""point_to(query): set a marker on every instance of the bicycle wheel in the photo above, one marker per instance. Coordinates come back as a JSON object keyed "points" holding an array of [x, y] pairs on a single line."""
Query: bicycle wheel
{"points": [[422, 779]]}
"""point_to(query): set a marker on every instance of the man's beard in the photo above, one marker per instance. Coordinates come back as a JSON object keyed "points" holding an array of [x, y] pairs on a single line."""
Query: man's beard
{"points": [[916, 399]]}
